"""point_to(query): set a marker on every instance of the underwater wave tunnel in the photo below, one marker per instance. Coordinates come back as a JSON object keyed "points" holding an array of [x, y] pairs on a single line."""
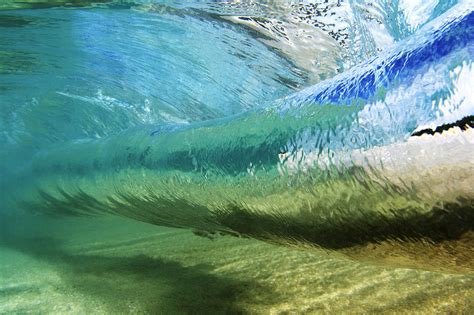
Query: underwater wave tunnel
{"points": [[374, 164]]}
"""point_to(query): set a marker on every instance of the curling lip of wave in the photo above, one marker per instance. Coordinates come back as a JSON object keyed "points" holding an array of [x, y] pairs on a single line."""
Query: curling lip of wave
{"points": [[360, 83], [343, 228]]}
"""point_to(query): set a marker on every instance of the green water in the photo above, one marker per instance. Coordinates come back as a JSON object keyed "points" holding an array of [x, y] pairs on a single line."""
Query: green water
{"points": [[163, 157]]}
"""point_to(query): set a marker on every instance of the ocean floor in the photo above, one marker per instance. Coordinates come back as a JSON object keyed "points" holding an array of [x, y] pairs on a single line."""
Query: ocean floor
{"points": [[111, 266]]}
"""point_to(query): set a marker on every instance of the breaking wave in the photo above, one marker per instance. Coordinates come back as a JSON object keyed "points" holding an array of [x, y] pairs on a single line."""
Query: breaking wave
{"points": [[196, 116]]}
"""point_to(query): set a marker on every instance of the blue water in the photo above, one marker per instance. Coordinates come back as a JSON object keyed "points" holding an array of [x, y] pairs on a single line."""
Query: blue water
{"points": [[341, 126]]}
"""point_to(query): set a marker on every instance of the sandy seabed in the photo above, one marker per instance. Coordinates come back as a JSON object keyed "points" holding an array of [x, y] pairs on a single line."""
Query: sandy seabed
{"points": [[111, 266]]}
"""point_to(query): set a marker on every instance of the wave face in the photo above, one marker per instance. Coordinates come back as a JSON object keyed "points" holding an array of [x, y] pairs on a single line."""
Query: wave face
{"points": [[196, 116]]}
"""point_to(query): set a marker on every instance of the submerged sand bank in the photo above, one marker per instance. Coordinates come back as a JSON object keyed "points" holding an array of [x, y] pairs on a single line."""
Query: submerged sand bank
{"points": [[116, 266]]}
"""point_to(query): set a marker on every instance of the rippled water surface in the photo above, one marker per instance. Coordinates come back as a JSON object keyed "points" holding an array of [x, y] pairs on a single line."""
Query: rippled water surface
{"points": [[264, 156]]}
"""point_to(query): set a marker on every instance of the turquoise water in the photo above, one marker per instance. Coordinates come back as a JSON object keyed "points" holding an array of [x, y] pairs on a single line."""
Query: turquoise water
{"points": [[343, 129]]}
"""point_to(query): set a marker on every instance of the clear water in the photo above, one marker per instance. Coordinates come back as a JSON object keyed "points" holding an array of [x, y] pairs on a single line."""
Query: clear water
{"points": [[316, 125]]}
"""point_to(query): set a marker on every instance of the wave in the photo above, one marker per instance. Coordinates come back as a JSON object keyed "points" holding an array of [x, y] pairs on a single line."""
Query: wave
{"points": [[333, 167]]}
